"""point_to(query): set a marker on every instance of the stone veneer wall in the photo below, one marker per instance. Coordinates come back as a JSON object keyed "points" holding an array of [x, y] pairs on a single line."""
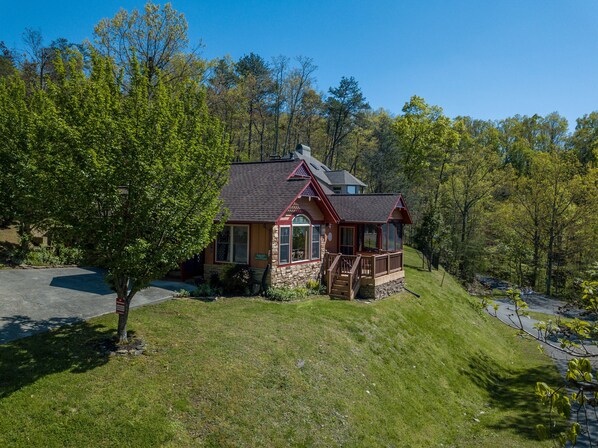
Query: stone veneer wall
{"points": [[382, 287], [297, 274]]}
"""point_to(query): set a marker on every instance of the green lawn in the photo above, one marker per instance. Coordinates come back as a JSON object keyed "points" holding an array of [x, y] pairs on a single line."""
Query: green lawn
{"points": [[546, 317], [400, 372]]}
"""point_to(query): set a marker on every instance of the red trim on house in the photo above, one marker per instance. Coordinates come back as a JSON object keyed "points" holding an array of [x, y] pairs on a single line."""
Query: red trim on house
{"points": [[285, 220], [404, 211], [333, 214], [328, 211], [355, 236], [295, 263], [304, 165]]}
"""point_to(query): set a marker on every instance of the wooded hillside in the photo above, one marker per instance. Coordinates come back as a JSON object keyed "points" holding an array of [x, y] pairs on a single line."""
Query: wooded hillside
{"points": [[515, 198]]}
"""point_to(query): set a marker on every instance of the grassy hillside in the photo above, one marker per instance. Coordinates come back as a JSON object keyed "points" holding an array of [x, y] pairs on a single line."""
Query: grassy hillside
{"points": [[400, 372]]}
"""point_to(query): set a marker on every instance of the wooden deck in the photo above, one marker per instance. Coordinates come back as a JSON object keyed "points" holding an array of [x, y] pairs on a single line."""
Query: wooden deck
{"points": [[345, 273]]}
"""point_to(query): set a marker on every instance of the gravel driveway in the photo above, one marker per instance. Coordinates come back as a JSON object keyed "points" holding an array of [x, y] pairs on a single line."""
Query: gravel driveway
{"points": [[35, 300]]}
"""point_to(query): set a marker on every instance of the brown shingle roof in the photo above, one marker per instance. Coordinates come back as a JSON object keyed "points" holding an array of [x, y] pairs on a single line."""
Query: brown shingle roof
{"points": [[365, 208], [260, 191]]}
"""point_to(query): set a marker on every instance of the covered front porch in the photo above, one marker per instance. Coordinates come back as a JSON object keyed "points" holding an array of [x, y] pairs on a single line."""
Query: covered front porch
{"points": [[367, 275]]}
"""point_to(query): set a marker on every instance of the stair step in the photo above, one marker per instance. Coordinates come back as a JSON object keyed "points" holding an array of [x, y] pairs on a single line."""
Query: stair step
{"points": [[336, 292], [336, 296]]}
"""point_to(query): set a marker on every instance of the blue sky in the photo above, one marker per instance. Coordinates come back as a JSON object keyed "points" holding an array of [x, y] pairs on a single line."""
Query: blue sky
{"points": [[487, 59]]}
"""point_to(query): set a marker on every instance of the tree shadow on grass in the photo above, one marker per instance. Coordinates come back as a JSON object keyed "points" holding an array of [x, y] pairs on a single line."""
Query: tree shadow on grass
{"points": [[417, 268], [76, 348], [513, 391]]}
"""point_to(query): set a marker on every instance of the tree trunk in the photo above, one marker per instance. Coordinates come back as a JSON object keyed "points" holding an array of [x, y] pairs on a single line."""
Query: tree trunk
{"points": [[549, 264], [121, 286], [24, 232], [122, 325], [250, 137], [536, 259]]}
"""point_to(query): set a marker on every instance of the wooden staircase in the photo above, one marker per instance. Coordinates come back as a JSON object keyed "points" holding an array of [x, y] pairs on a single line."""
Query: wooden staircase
{"points": [[341, 290], [344, 277]]}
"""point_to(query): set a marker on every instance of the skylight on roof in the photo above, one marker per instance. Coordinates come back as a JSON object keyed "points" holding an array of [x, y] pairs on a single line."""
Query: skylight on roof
{"points": [[313, 165], [324, 168]]}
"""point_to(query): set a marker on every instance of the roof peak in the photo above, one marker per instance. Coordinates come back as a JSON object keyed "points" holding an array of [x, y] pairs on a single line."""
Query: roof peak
{"points": [[257, 162], [366, 194]]}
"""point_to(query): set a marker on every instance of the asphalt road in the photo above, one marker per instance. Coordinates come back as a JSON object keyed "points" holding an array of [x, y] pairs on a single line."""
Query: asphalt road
{"points": [[35, 300]]}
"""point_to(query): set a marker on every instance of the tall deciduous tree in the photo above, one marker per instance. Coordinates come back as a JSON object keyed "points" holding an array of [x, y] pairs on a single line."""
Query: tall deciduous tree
{"points": [[155, 38], [474, 174], [15, 149], [584, 140], [280, 66], [135, 177], [427, 140], [7, 60], [382, 163], [298, 82]]}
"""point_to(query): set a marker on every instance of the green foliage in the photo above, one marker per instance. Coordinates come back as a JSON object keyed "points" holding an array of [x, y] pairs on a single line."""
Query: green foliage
{"points": [[315, 287], [282, 294], [559, 403], [573, 336], [237, 279], [55, 255], [182, 293], [158, 35], [137, 181], [132, 176], [344, 105], [204, 290]]}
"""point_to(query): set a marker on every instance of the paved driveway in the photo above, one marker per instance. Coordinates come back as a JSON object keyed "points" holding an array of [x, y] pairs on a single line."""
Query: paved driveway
{"points": [[34, 300], [506, 313]]}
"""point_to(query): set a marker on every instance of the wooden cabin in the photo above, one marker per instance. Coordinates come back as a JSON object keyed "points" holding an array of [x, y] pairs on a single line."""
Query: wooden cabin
{"points": [[288, 230]]}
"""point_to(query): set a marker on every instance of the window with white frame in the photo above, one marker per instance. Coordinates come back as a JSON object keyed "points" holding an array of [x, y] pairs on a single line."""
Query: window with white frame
{"points": [[232, 245], [315, 242], [284, 245], [299, 241]]}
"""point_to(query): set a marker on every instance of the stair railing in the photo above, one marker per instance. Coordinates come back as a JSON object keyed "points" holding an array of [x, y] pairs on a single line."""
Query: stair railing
{"points": [[333, 272], [355, 277]]}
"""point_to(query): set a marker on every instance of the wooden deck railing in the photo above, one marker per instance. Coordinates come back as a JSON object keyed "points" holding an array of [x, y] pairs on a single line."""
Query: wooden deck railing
{"points": [[355, 277], [371, 266]]}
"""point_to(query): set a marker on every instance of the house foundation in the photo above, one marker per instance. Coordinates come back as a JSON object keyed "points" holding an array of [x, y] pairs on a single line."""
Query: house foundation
{"points": [[381, 287]]}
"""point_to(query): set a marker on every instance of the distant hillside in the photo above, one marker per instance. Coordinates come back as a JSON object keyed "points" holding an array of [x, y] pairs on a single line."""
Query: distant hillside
{"points": [[400, 372]]}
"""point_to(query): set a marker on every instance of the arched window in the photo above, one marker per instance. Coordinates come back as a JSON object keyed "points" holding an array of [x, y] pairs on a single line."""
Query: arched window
{"points": [[300, 242]]}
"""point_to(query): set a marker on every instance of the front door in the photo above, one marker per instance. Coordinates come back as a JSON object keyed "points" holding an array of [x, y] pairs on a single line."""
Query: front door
{"points": [[347, 241]]}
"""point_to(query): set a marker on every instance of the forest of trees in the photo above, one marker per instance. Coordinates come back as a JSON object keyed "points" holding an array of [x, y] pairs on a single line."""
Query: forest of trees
{"points": [[515, 198]]}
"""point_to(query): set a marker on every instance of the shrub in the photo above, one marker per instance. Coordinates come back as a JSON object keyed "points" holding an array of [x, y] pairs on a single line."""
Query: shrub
{"points": [[204, 290], [286, 294], [56, 255], [215, 281], [68, 255], [314, 287], [181, 293], [237, 279]]}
